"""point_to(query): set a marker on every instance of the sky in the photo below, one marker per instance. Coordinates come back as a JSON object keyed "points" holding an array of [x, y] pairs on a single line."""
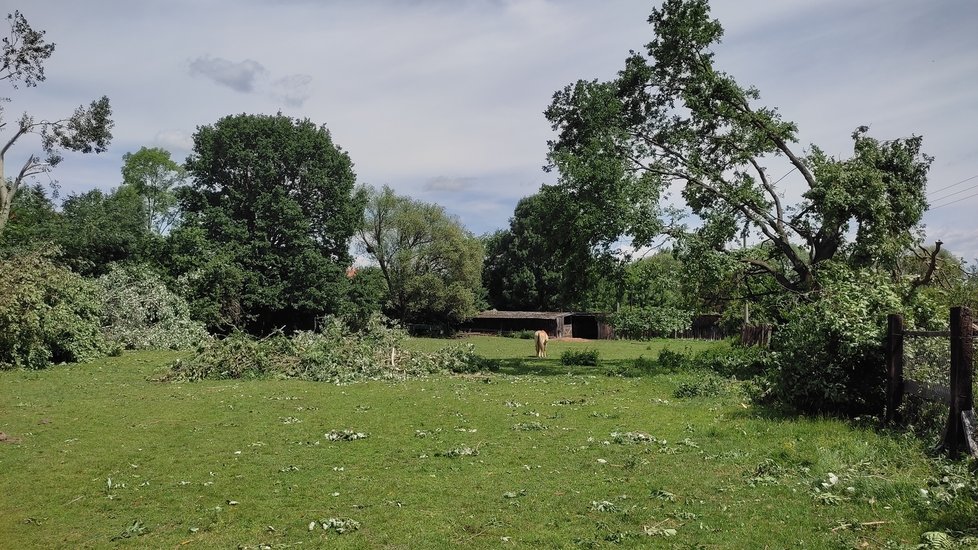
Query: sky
{"points": [[443, 100]]}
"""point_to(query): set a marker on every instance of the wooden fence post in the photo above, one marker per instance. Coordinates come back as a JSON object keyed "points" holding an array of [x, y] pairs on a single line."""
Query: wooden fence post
{"points": [[959, 434], [894, 367]]}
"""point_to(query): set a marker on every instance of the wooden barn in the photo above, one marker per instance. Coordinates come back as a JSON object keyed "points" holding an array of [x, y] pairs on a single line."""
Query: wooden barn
{"points": [[558, 324]]}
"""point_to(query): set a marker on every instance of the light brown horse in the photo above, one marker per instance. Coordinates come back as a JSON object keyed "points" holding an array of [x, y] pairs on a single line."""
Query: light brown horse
{"points": [[541, 338]]}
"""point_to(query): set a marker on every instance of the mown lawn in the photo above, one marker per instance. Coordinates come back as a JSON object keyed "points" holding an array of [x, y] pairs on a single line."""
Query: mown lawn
{"points": [[99, 455]]}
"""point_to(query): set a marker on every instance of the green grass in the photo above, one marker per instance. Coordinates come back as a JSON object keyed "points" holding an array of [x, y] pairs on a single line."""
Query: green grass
{"points": [[548, 472]]}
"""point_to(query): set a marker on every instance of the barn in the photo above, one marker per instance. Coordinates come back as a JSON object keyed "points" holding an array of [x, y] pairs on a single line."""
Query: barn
{"points": [[558, 324]]}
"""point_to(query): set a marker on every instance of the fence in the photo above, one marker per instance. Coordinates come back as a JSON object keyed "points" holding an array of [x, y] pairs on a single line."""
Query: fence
{"points": [[957, 394], [756, 335]]}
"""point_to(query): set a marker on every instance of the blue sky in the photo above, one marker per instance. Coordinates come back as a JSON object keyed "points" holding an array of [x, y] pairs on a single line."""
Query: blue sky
{"points": [[443, 100]]}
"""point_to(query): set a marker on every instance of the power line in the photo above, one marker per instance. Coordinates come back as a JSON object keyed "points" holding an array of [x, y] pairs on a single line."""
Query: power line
{"points": [[966, 189], [952, 185], [953, 202]]}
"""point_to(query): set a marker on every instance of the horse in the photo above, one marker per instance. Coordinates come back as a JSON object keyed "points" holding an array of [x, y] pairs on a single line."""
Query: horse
{"points": [[541, 338]]}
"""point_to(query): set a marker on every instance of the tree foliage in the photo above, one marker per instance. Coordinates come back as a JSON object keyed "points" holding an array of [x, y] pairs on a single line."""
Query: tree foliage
{"points": [[47, 313], [431, 263], [87, 130], [95, 229], [140, 312], [153, 175], [672, 118], [273, 197], [546, 260]]}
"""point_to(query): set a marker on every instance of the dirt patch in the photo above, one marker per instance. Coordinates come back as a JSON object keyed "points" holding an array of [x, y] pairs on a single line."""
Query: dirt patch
{"points": [[4, 438]]}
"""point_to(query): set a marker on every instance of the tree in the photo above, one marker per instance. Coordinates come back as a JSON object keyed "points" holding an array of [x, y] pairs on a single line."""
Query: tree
{"points": [[87, 130], [48, 314], [547, 259], [672, 117], [274, 196], [33, 220], [154, 176], [431, 263], [96, 229]]}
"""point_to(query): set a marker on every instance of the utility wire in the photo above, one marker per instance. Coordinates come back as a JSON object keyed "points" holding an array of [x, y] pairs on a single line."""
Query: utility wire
{"points": [[953, 202], [952, 185], [965, 190]]}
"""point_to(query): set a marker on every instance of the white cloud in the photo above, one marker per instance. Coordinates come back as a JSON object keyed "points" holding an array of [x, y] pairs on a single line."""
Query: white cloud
{"points": [[239, 76], [425, 89], [444, 183], [175, 141], [294, 89]]}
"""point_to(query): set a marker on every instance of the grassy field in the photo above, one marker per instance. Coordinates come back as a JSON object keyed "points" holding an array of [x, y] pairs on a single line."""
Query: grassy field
{"points": [[538, 455]]}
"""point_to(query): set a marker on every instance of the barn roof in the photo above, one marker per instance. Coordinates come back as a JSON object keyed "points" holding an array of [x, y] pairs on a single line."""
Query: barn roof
{"points": [[493, 314]]}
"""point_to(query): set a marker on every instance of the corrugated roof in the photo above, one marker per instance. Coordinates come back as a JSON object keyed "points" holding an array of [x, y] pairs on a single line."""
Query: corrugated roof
{"points": [[493, 314]]}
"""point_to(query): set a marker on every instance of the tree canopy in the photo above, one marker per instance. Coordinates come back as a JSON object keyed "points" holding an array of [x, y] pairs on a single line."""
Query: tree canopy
{"points": [[431, 263], [274, 198], [154, 175], [671, 117], [547, 259], [87, 130]]}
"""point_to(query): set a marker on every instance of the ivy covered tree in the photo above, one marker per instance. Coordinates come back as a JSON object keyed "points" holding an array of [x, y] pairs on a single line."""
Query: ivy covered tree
{"points": [[672, 117], [274, 198], [22, 56], [431, 263]]}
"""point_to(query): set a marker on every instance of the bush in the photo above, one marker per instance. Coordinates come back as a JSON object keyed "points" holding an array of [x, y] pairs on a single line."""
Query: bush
{"points": [[140, 312], [523, 334], [334, 354], [708, 385], [650, 322], [742, 362], [587, 357], [47, 314], [673, 361], [830, 351]]}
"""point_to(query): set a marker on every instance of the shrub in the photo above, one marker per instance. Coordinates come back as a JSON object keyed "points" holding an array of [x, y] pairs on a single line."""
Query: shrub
{"points": [[141, 312], [708, 385], [523, 334], [47, 313], [650, 322], [742, 362], [673, 361], [334, 354], [830, 351], [587, 357]]}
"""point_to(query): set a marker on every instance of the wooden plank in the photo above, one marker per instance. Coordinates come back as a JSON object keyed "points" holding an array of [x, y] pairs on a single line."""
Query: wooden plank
{"points": [[926, 390]]}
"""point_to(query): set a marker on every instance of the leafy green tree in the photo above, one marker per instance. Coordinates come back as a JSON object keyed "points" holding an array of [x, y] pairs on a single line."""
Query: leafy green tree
{"points": [[97, 228], [672, 117], [655, 281], [48, 314], [33, 220], [546, 260], [154, 176], [431, 263], [366, 297], [274, 197], [88, 129]]}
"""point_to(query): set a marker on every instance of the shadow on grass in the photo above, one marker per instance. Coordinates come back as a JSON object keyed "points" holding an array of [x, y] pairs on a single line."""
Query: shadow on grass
{"points": [[552, 366]]}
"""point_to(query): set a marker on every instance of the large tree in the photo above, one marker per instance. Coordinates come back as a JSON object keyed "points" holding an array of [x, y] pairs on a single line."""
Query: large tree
{"points": [[671, 117], [431, 263], [87, 130], [154, 175], [96, 229], [546, 260], [275, 198]]}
